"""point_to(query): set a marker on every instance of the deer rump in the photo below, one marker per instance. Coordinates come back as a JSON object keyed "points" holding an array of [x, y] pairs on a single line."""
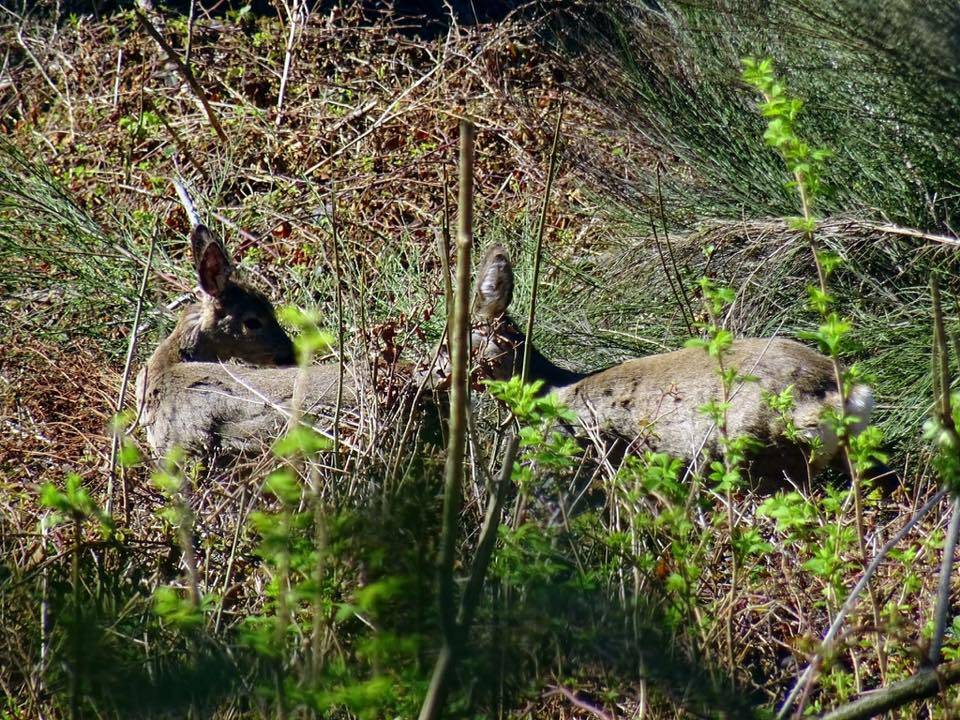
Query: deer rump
{"points": [[655, 403]]}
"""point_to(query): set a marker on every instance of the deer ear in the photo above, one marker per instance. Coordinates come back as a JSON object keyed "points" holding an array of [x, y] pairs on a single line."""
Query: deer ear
{"points": [[211, 259], [494, 284]]}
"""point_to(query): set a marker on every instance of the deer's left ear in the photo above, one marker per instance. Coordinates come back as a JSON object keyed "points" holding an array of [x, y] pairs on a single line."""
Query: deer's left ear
{"points": [[494, 284], [211, 259]]}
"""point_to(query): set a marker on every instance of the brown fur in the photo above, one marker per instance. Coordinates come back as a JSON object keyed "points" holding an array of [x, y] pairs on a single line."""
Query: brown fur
{"points": [[188, 399], [654, 402], [646, 403], [203, 407]]}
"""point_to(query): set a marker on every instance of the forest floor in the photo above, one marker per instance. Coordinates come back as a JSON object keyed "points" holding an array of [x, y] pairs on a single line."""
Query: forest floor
{"points": [[96, 119]]}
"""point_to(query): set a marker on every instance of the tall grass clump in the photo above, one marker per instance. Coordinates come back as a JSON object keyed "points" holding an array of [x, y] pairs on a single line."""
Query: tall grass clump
{"points": [[61, 270], [877, 76]]}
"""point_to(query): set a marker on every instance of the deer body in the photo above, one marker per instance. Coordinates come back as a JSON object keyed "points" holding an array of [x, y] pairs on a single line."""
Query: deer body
{"points": [[193, 396], [204, 407], [192, 393], [654, 402]]}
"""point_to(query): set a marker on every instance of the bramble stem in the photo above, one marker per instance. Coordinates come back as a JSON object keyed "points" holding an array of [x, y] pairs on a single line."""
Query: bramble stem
{"points": [[453, 471]]}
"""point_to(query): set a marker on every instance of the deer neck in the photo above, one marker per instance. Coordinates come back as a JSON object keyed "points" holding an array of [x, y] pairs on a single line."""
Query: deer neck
{"points": [[553, 376], [172, 349], [541, 368]]}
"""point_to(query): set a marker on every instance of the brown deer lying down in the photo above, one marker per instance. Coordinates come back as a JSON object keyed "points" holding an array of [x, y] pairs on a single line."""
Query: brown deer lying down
{"points": [[652, 402], [191, 399], [190, 396]]}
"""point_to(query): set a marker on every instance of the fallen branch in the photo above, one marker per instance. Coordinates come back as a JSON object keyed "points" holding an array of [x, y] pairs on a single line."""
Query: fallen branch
{"points": [[925, 684]]}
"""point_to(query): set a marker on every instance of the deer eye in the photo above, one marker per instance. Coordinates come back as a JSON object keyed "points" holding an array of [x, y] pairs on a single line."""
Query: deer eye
{"points": [[252, 324]]}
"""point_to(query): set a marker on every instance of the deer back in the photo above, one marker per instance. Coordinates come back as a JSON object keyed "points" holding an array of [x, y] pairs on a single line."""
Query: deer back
{"points": [[206, 407], [655, 402]]}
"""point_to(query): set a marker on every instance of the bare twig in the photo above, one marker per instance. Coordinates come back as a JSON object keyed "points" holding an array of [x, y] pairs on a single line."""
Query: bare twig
{"points": [[178, 141], [942, 368], [185, 72], [851, 601], [488, 539], [679, 292], [232, 557], [538, 248], [943, 592], [116, 77], [297, 16], [908, 232], [188, 41], [443, 237], [583, 704], [437, 692], [77, 644], [127, 366], [945, 412], [187, 202], [338, 410]]}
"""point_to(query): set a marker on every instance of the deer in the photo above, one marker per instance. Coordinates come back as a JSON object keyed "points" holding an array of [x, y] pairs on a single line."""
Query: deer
{"points": [[652, 402], [193, 394], [225, 378]]}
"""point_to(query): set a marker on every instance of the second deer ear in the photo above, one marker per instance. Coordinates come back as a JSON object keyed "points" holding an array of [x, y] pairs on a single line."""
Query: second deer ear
{"points": [[211, 259], [494, 284]]}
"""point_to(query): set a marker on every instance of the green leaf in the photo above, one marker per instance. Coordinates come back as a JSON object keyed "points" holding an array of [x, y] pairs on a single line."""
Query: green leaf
{"points": [[818, 300], [284, 486], [802, 224], [829, 261], [168, 605], [129, 455], [168, 483], [51, 497], [301, 440]]}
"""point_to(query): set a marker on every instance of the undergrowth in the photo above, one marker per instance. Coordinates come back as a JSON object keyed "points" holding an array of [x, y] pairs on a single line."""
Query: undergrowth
{"points": [[291, 587]]}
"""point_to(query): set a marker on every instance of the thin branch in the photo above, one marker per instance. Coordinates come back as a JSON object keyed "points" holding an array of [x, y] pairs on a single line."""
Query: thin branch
{"points": [[187, 202], [436, 694], [185, 72], [340, 328], [943, 360], [127, 366], [583, 704], [851, 601], [538, 248], [487, 541], [188, 41], [942, 377], [241, 510], [943, 592], [685, 306], [908, 232], [443, 238], [297, 16]]}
